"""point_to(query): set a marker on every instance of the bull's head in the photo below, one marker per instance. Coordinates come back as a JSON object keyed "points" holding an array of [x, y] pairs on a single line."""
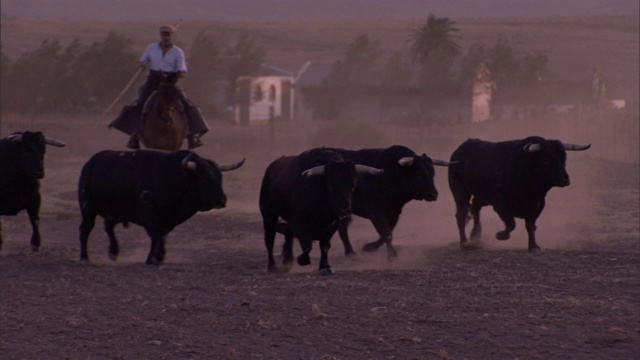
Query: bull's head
{"points": [[206, 181], [31, 148], [341, 180], [550, 159], [417, 174]]}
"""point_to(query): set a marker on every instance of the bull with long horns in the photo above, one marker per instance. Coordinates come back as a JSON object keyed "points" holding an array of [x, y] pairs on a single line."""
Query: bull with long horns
{"points": [[511, 176]]}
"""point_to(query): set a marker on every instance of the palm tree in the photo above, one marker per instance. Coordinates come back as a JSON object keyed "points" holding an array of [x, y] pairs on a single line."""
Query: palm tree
{"points": [[434, 48], [434, 40]]}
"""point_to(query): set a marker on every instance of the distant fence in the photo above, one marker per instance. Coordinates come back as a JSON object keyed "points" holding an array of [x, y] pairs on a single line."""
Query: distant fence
{"points": [[615, 138]]}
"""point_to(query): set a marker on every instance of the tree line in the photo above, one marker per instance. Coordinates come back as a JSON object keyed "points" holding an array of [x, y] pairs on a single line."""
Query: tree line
{"points": [[86, 78], [433, 63]]}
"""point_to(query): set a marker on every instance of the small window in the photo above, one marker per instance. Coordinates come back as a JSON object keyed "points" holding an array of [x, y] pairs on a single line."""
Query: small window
{"points": [[272, 93], [258, 95]]}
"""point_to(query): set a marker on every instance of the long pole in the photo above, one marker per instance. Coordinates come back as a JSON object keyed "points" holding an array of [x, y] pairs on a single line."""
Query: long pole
{"points": [[133, 78]]}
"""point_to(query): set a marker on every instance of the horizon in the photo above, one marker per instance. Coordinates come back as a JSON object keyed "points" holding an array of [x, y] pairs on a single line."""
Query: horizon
{"points": [[287, 10]]}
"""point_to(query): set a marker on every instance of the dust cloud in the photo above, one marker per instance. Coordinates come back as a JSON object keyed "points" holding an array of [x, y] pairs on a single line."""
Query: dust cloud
{"points": [[603, 192], [572, 217]]}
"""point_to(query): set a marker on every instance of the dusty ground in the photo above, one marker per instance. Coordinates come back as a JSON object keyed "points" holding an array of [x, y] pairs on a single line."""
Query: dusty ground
{"points": [[212, 299]]}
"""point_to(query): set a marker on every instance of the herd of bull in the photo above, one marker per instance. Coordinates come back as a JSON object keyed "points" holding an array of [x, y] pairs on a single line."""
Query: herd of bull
{"points": [[309, 196]]}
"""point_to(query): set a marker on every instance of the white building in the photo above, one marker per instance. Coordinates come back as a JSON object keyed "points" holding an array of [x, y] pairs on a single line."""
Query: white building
{"points": [[267, 94], [481, 96]]}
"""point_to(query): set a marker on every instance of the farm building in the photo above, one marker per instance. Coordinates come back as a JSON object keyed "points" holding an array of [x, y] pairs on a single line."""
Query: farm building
{"points": [[269, 93]]}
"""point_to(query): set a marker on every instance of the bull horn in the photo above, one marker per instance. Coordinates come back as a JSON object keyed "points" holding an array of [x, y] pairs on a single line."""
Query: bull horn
{"points": [[531, 147], [231, 166], [189, 165], [406, 161], [363, 169], [15, 137], [442, 162], [572, 147], [54, 142], [317, 170]]}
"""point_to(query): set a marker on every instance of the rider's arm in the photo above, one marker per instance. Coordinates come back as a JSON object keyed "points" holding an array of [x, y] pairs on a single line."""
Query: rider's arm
{"points": [[146, 57], [181, 64]]}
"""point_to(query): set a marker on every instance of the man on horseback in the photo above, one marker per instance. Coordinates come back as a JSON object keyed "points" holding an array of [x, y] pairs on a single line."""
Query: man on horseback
{"points": [[166, 62]]}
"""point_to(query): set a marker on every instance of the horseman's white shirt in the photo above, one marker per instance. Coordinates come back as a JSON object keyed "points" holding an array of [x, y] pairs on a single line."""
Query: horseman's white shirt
{"points": [[172, 61]]}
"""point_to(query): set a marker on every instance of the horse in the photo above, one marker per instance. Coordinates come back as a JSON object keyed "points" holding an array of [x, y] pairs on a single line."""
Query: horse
{"points": [[164, 119]]}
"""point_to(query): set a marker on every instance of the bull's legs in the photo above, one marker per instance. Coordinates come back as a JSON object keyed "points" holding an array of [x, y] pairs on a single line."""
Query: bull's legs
{"points": [[34, 219], [384, 233], [510, 225], [530, 224], [344, 236], [269, 224], [113, 242], [157, 252], [384, 226], [462, 211], [325, 245], [88, 221], [476, 231], [287, 247], [461, 197], [306, 245]]}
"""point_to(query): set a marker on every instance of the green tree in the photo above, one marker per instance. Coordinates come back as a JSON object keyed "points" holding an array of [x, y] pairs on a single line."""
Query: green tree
{"points": [[5, 69], [53, 78], [516, 77], [62, 87], [242, 59], [396, 75], [502, 62], [112, 64], [360, 59], [206, 69], [433, 45], [533, 68], [476, 54], [348, 77], [27, 79]]}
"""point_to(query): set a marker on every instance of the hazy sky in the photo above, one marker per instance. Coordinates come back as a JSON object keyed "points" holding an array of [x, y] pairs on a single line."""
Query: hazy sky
{"points": [[242, 10]]}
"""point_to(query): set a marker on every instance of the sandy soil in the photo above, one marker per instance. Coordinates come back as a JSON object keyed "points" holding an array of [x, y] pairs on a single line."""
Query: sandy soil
{"points": [[212, 298]]}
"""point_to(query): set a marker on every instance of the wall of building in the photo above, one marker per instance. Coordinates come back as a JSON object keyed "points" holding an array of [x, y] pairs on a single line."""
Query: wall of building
{"points": [[266, 92]]}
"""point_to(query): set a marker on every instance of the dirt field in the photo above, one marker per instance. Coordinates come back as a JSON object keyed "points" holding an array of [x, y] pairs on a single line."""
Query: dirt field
{"points": [[212, 298]]}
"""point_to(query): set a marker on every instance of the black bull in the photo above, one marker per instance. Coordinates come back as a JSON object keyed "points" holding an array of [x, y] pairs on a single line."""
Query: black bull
{"points": [[21, 168], [511, 176], [312, 193], [407, 176], [156, 190]]}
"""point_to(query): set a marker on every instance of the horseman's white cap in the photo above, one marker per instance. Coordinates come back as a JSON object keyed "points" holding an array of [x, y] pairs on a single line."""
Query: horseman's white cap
{"points": [[166, 28]]}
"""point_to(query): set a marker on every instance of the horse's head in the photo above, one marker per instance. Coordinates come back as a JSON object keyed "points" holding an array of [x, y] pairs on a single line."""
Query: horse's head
{"points": [[165, 125], [169, 102]]}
